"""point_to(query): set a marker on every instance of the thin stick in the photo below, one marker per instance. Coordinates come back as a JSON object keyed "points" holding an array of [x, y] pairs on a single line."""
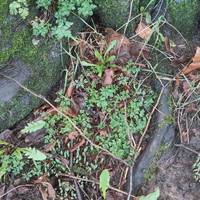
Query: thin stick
{"points": [[187, 148], [129, 16], [150, 117], [130, 182], [95, 182], [67, 117], [15, 188]]}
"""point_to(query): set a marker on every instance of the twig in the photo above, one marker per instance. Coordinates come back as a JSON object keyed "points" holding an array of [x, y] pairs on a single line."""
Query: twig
{"points": [[129, 16], [187, 148], [130, 182], [15, 188], [97, 183], [67, 117], [79, 196], [150, 117]]}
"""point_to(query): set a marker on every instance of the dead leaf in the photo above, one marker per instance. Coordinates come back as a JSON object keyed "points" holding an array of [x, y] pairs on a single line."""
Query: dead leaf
{"points": [[138, 49], [71, 136], [70, 112], [194, 65], [167, 44], [143, 30], [108, 76], [186, 87], [47, 191], [76, 146], [190, 68], [70, 90], [64, 161], [122, 49], [184, 136], [43, 193], [103, 133], [49, 147]]}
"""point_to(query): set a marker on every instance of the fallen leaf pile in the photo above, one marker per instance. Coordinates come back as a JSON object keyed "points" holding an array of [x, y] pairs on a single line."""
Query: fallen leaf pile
{"points": [[195, 65]]}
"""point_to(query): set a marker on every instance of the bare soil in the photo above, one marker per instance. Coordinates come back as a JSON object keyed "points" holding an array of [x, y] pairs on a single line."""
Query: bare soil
{"points": [[174, 174]]}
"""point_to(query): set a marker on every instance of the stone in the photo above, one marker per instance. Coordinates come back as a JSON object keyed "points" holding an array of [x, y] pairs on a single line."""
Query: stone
{"points": [[38, 68], [114, 13], [184, 16]]}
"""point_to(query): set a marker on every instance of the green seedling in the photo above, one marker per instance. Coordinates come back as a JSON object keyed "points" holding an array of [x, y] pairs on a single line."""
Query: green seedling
{"points": [[104, 61]]}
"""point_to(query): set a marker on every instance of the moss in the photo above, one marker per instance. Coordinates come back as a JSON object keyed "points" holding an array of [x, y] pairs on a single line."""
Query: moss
{"points": [[184, 16], [3, 9], [16, 42], [150, 4], [114, 13], [151, 172]]}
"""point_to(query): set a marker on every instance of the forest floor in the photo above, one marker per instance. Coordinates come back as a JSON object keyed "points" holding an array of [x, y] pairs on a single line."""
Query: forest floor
{"points": [[102, 118]]}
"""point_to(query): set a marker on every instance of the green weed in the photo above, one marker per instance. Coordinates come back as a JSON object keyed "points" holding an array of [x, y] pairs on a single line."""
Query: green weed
{"points": [[104, 61], [64, 8]]}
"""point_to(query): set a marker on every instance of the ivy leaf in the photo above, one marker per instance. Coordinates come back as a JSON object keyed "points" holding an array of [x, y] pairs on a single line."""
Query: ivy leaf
{"points": [[152, 196], [34, 154], [104, 182], [34, 126]]}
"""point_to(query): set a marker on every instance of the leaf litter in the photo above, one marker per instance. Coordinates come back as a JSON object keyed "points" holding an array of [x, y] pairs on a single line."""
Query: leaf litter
{"points": [[125, 51]]}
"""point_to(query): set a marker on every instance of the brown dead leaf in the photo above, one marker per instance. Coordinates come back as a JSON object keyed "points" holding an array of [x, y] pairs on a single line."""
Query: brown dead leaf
{"points": [[103, 133], [184, 136], [196, 58], [50, 190], [190, 68], [167, 44], [108, 76], [71, 112], [194, 65], [43, 193], [186, 87], [64, 161], [71, 136], [46, 189], [70, 90], [49, 147], [122, 49], [143, 30], [138, 49], [76, 146]]}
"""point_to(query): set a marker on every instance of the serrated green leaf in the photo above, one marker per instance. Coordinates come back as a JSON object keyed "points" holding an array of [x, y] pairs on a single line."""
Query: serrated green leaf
{"points": [[34, 126], [152, 196], [104, 182], [34, 154]]}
